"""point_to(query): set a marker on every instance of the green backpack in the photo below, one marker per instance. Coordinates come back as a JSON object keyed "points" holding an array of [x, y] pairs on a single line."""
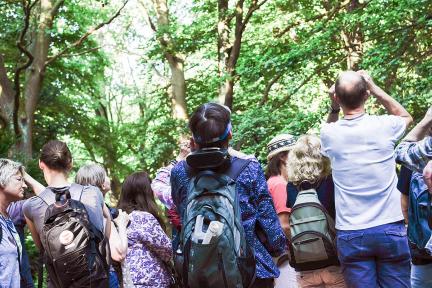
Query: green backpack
{"points": [[312, 239], [213, 247]]}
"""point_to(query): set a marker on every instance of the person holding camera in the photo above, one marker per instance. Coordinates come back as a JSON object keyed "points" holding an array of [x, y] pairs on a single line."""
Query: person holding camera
{"points": [[371, 237]]}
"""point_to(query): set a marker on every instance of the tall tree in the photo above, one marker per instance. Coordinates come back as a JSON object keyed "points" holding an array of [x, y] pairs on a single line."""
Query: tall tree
{"points": [[229, 45], [177, 89], [38, 19]]}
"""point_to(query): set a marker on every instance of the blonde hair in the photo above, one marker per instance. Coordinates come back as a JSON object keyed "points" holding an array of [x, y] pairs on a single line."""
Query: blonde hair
{"points": [[305, 161], [91, 174]]}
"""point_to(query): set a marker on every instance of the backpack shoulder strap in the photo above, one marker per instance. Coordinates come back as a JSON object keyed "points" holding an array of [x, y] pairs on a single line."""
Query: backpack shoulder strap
{"points": [[77, 188], [236, 168]]}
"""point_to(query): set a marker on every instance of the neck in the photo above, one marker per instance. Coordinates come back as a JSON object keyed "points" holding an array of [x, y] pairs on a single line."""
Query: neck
{"points": [[352, 113], [4, 203], [56, 179]]}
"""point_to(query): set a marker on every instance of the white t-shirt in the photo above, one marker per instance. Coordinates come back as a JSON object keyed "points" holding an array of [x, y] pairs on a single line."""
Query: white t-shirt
{"points": [[361, 151]]}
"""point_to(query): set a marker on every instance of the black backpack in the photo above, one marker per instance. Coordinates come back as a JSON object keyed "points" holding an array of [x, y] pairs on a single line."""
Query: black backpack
{"points": [[75, 251], [224, 259]]}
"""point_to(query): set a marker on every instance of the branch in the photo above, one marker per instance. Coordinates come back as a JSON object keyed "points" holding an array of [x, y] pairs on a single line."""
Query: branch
{"points": [[56, 7], [21, 46], [147, 17], [254, 6], [82, 52], [330, 15], [305, 81], [268, 88], [85, 36]]}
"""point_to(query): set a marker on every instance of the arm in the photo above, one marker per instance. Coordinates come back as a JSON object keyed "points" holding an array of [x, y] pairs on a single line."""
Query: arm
{"points": [[404, 206], [35, 185], [391, 105], [118, 239], [107, 216], [266, 215], [334, 106], [150, 233], [34, 233], [415, 155], [421, 129], [285, 224], [161, 185], [427, 176]]}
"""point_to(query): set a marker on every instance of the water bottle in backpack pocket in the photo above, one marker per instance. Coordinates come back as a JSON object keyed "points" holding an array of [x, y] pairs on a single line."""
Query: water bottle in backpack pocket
{"points": [[213, 251], [312, 239], [75, 251]]}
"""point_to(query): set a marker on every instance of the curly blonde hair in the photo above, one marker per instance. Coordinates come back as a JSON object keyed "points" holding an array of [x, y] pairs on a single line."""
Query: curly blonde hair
{"points": [[305, 161]]}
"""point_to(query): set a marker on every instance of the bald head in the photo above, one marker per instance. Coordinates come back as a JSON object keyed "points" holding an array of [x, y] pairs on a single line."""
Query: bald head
{"points": [[351, 89]]}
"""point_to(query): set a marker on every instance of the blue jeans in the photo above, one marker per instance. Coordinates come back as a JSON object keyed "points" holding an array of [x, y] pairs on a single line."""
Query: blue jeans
{"points": [[113, 279], [375, 257], [26, 276], [421, 276]]}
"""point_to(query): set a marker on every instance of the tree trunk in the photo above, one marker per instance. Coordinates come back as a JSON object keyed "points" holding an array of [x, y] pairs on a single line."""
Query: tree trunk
{"points": [[175, 61], [224, 48], [353, 39], [34, 77], [6, 98], [229, 50]]}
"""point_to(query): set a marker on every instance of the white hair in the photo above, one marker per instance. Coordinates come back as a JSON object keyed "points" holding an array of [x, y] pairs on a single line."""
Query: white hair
{"points": [[9, 168], [91, 174]]}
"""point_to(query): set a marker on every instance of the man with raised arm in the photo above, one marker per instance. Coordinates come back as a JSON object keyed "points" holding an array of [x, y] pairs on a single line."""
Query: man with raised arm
{"points": [[414, 152], [371, 237]]}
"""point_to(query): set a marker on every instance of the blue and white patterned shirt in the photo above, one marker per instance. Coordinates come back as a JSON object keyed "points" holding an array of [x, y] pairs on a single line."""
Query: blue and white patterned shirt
{"points": [[256, 207], [415, 155]]}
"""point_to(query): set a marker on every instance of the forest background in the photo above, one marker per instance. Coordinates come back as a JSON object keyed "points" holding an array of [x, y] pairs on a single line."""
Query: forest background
{"points": [[117, 79]]}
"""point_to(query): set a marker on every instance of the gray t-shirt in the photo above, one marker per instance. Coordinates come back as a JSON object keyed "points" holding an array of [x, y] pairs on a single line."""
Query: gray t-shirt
{"points": [[92, 198], [10, 252]]}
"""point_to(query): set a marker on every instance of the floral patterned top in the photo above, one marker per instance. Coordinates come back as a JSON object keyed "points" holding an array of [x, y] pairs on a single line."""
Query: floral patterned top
{"points": [[148, 248]]}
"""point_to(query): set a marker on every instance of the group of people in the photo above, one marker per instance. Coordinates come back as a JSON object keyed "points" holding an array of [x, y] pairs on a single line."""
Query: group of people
{"points": [[329, 211]]}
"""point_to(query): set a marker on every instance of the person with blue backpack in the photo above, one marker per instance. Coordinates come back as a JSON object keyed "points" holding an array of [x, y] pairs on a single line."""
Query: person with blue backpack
{"points": [[414, 152], [230, 229]]}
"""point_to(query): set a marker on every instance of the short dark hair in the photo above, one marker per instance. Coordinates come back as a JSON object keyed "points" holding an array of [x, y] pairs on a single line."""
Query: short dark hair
{"points": [[57, 156], [208, 122], [274, 164], [137, 195], [353, 97]]}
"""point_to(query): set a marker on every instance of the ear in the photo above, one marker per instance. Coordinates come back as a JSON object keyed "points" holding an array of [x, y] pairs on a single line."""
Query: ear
{"points": [[367, 95], [193, 145], [42, 165], [337, 99], [230, 135]]}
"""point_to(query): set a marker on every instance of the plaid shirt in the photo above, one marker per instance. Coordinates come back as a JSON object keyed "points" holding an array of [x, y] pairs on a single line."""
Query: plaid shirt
{"points": [[415, 155]]}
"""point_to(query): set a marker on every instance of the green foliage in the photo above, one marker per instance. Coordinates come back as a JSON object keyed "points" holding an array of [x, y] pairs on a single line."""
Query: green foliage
{"points": [[291, 53]]}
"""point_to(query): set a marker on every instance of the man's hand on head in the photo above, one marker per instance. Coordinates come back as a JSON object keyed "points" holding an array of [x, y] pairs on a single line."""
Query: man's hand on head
{"points": [[332, 94], [427, 176], [370, 83]]}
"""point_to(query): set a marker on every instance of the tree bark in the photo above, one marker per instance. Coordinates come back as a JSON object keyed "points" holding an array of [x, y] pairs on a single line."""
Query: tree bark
{"points": [[34, 77], [175, 61], [6, 97], [229, 50], [353, 40]]}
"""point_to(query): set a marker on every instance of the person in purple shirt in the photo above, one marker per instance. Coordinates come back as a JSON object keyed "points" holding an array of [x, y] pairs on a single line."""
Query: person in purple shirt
{"points": [[210, 121]]}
